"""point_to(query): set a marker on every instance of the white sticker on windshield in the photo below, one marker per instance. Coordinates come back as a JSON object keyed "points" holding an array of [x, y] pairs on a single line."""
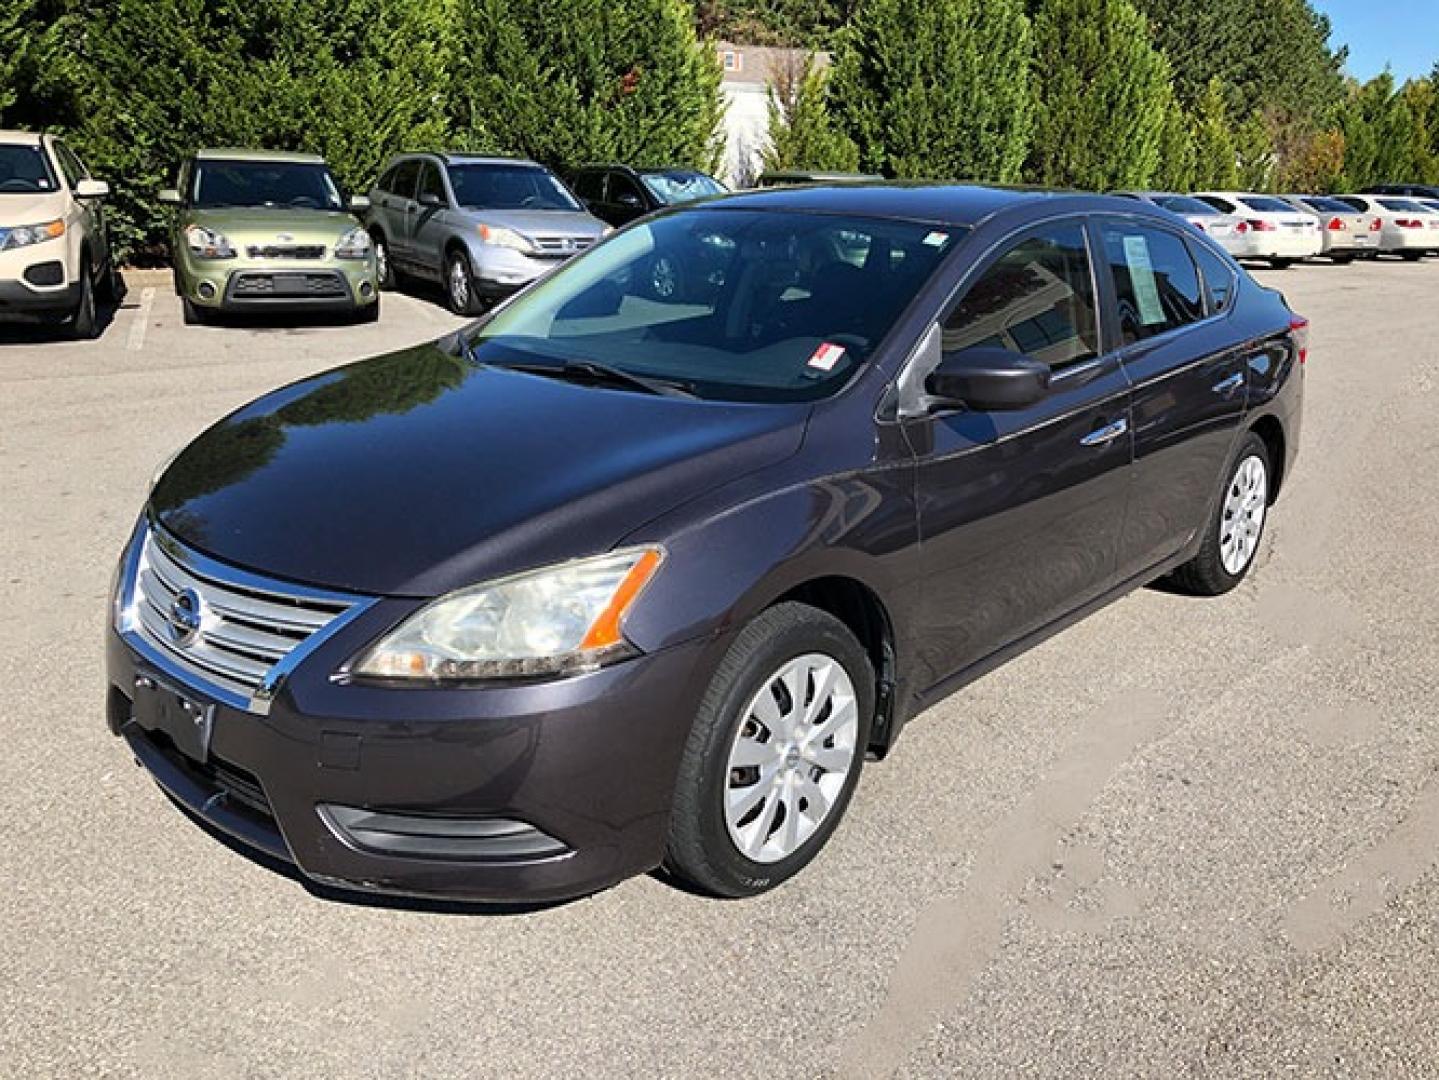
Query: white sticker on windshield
{"points": [[826, 356], [936, 239], [1141, 276]]}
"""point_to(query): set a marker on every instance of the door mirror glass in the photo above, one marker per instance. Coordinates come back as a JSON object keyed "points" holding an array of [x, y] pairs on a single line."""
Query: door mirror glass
{"points": [[360, 203], [989, 379], [169, 197], [431, 199], [91, 189]]}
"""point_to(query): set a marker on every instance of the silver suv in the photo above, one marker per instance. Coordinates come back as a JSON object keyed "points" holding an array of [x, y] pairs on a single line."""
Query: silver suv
{"points": [[481, 226], [54, 254]]}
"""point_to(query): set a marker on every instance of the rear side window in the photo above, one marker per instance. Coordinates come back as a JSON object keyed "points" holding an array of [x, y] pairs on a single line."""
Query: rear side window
{"points": [[403, 178], [1351, 201], [1155, 281], [1037, 299], [1215, 201], [1327, 206], [1219, 278], [1402, 206], [1263, 204]]}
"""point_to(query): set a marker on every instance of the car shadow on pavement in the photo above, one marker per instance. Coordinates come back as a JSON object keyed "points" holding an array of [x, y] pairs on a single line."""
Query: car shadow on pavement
{"points": [[355, 898], [39, 332]]}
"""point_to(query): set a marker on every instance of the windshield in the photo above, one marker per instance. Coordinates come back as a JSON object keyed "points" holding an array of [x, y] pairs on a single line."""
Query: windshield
{"points": [[736, 305], [677, 187], [1183, 204], [264, 183], [1405, 206], [1327, 206], [509, 187], [1266, 205], [24, 170]]}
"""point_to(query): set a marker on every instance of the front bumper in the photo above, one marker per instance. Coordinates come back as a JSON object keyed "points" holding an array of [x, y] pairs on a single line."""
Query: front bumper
{"points": [[500, 271], [588, 761], [278, 285], [36, 281]]}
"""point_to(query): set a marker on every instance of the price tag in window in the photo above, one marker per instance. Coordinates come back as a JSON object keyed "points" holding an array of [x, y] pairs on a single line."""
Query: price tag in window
{"points": [[1141, 277]]}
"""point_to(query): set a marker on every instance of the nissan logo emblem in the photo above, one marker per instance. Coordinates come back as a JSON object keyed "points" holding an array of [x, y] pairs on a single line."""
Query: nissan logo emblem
{"points": [[184, 619]]}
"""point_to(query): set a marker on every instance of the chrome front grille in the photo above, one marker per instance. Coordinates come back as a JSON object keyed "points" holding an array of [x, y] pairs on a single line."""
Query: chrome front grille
{"points": [[234, 632], [560, 247]]}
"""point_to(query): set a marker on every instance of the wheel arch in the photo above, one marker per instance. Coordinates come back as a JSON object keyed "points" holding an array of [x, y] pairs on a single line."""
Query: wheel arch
{"points": [[1271, 432]]}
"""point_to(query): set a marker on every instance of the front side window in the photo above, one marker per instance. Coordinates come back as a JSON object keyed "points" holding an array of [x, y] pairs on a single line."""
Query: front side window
{"points": [[670, 188], [487, 186], [1037, 299], [25, 170], [622, 188], [431, 184], [735, 305], [404, 177], [279, 184], [1156, 284], [73, 168]]}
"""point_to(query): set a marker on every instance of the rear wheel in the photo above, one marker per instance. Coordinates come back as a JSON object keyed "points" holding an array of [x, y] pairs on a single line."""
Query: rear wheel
{"points": [[1231, 539], [774, 754], [1411, 256], [1343, 258]]}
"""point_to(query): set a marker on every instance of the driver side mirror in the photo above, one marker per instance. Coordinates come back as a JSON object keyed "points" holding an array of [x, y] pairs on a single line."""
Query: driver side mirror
{"points": [[430, 199], [91, 189], [359, 203], [988, 379], [169, 197]]}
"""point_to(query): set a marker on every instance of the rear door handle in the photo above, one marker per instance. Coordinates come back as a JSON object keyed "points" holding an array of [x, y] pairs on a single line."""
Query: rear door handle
{"points": [[1105, 435], [1229, 385]]}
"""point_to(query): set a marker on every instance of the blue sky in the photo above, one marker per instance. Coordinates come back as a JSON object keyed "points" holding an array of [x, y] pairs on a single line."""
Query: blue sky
{"points": [[1402, 33]]}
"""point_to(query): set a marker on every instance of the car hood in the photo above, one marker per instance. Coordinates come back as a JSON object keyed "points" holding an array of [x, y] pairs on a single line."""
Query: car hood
{"points": [[263, 225], [541, 222], [419, 472], [27, 209]]}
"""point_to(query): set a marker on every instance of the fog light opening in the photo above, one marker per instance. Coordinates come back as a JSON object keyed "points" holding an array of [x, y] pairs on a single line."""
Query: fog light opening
{"points": [[425, 836], [366, 289], [207, 291]]}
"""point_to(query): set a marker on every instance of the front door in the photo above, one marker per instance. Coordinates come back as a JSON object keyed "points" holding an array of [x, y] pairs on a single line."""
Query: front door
{"points": [[1020, 512], [428, 220]]}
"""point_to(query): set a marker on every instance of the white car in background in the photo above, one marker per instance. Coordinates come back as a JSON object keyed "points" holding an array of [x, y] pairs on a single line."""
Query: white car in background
{"points": [[1277, 233], [1408, 228], [1227, 230], [1346, 233]]}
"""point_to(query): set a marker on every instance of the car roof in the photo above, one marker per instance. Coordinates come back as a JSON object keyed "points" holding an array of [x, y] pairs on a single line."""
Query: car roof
{"points": [[238, 154], [451, 157], [29, 138], [951, 204]]}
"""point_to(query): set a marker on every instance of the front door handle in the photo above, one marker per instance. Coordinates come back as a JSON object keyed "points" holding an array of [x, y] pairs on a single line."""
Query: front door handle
{"points": [[1229, 385], [1105, 435]]}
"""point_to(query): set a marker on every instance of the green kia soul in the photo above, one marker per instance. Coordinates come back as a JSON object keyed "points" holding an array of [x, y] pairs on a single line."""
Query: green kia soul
{"points": [[260, 230]]}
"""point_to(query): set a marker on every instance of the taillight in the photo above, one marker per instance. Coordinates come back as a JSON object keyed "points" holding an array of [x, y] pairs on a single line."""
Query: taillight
{"points": [[1376, 225], [1299, 331], [1241, 227], [1260, 225], [1336, 225], [1408, 223]]}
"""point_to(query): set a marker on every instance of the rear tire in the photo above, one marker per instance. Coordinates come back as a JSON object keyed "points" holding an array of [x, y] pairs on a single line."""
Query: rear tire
{"points": [[788, 711], [1235, 530], [84, 324], [1411, 256]]}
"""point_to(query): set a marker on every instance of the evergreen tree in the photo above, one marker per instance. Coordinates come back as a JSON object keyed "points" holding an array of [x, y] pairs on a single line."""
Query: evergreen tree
{"points": [[936, 88], [801, 133], [1254, 154], [1103, 93], [1380, 134], [569, 81], [1215, 156], [1176, 148]]}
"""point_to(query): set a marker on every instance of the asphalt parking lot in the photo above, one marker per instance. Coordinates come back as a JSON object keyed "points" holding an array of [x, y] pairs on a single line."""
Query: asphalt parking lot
{"points": [[1186, 837]]}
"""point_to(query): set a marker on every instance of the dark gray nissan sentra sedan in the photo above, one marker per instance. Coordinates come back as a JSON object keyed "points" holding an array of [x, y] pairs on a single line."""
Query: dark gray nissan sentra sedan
{"points": [[611, 581]]}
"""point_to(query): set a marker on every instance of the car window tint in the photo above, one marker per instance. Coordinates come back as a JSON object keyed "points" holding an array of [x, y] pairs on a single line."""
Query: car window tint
{"points": [[1155, 282], [1263, 204], [589, 185], [404, 178], [1219, 204], [1183, 204], [1219, 278], [621, 185], [73, 168], [430, 183], [1326, 206], [1037, 299]]}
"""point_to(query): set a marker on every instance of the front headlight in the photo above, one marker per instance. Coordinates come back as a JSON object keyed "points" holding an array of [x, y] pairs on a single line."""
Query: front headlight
{"points": [[355, 244], [559, 620], [208, 244], [502, 237], [26, 235]]}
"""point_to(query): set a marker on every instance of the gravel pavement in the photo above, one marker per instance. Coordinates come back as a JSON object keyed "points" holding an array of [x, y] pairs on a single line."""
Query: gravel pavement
{"points": [[1185, 837]]}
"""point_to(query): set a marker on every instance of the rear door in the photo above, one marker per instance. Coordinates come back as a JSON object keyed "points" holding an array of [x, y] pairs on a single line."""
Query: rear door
{"points": [[1020, 511], [397, 201], [1188, 378]]}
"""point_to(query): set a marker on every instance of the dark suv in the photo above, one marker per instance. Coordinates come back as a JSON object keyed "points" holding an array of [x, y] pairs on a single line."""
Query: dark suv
{"points": [[606, 582], [618, 194]]}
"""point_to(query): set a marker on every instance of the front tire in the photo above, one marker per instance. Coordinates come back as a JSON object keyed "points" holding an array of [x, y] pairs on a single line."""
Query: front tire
{"points": [[192, 314], [368, 313], [774, 754], [460, 294], [1281, 264], [84, 323], [386, 276], [1234, 531]]}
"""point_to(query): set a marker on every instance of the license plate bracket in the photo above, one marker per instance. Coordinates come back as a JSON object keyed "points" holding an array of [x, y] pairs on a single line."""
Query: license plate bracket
{"points": [[189, 723]]}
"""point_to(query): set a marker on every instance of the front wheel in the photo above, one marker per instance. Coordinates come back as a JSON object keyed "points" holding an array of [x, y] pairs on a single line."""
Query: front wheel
{"points": [[1281, 264], [1231, 538], [386, 276], [84, 322], [1411, 256], [774, 754], [460, 284]]}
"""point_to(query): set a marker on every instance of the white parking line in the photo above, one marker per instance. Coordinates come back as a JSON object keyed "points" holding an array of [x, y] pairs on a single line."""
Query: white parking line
{"points": [[136, 341]]}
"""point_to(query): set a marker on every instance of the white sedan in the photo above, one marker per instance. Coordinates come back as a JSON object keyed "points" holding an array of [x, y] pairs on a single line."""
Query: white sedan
{"points": [[1277, 232], [1408, 228], [1226, 229]]}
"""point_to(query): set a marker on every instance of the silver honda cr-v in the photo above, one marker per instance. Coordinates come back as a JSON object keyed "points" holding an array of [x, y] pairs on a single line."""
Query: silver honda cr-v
{"points": [[481, 226]]}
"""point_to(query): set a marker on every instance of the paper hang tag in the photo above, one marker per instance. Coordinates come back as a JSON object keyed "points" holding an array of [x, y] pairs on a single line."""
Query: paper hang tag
{"points": [[826, 356]]}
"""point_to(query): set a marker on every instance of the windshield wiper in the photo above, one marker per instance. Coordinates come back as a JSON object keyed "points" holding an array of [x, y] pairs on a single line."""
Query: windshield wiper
{"points": [[603, 374]]}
